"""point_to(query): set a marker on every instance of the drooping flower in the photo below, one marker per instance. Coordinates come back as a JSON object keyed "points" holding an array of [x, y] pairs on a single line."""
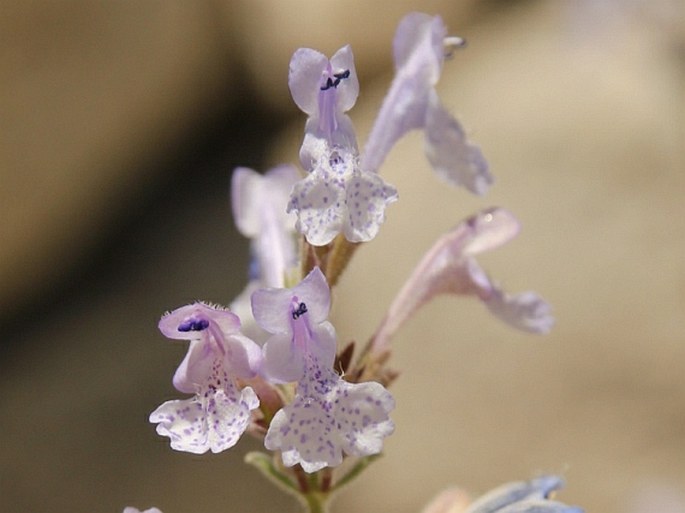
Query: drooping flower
{"points": [[337, 196], [449, 267], [219, 411], [259, 204], [328, 416], [412, 103], [523, 497]]}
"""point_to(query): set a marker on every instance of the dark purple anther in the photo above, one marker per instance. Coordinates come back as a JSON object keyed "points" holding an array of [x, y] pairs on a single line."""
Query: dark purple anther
{"points": [[193, 325], [338, 77], [301, 310]]}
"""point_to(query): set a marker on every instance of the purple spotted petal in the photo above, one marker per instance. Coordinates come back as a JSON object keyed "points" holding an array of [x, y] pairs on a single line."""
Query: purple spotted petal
{"points": [[319, 202], [213, 420], [315, 430], [367, 196], [363, 417], [305, 433]]}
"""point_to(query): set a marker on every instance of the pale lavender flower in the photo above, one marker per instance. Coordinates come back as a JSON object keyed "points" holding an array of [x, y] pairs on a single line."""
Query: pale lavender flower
{"points": [[219, 412], [130, 509], [259, 204], [337, 195], [412, 103], [328, 416], [449, 267], [523, 497]]}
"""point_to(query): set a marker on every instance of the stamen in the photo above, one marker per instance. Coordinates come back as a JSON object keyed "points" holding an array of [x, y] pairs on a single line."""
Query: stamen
{"points": [[452, 43], [193, 324], [301, 310], [338, 77]]}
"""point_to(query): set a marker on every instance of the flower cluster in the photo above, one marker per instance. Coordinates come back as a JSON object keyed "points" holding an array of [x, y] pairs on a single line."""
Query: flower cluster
{"points": [[271, 364]]}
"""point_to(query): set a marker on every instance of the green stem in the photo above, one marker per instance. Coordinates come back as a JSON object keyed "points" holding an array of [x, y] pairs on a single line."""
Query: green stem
{"points": [[317, 502]]}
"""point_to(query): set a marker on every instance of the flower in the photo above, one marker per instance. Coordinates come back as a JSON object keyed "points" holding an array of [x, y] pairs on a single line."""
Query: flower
{"points": [[412, 103], [219, 412], [523, 497], [328, 416], [337, 195], [450, 267], [130, 509], [259, 212], [258, 204]]}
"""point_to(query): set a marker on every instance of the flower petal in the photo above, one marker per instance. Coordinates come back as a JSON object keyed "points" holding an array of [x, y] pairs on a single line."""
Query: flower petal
{"points": [[526, 311], [511, 493], [419, 38], [306, 434], [243, 357], [304, 78], [418, 48], [362, 417], [404, 108], [348, 89], [189, 322], [314, 291], [259, 204], [486, 230], [322, 346], [457, 161], [242, 307], [195, 367], [367, 195], [449, 267], [271, 309], [319, 201], [212, 420], [539, 506], [283, 361], [314, 430]]}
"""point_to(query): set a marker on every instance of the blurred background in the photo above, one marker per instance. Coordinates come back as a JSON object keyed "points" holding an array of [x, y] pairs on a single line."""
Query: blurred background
{"points": [[120, 124]]}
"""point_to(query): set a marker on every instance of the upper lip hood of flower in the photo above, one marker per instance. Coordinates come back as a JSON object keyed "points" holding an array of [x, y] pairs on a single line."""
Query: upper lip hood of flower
{"points": [[412, 103]]}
